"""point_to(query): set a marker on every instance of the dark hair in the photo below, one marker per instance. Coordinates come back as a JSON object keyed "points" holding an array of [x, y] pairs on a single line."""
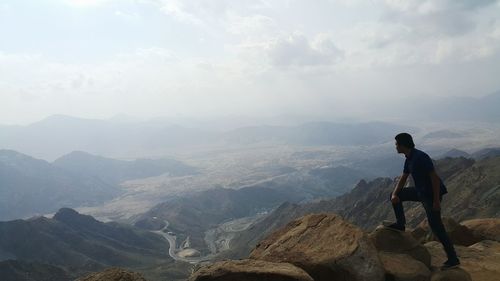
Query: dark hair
{"points": [[405, 140]]}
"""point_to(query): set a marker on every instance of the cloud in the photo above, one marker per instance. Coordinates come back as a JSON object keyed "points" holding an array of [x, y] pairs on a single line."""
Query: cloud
{"points": [[297, 50], [86, 3], [129, 16], [436, 17]]}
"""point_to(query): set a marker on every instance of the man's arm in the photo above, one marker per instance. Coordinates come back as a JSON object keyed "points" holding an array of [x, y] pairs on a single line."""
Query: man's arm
{"points": [[399, 186], [435, 190]]}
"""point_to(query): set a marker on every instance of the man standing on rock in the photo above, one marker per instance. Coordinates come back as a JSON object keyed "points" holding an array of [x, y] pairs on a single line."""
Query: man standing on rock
{"points": [[428, 190]]}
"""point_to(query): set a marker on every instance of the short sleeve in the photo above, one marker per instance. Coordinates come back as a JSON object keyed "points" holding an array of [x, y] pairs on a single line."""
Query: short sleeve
{"points": [[406, 169], [426, 164]]}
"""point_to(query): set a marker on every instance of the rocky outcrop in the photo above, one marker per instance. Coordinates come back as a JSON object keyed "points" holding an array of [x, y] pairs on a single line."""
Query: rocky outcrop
{"points": [[113, 274], [456, 274], [386, 240], [403, 267], [480, 260], [484, 229], [250, 270], [458, 233], [325, 246]]}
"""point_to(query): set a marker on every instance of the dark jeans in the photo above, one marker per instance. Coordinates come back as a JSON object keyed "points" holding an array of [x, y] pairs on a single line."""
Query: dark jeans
{"points": [[433, 217]]}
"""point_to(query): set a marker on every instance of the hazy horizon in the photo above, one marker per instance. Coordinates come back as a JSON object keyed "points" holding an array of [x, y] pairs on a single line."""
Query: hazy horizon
{"points": [[334, 60]]}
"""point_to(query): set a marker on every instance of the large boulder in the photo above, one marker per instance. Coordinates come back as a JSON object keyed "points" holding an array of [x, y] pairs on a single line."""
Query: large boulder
{"points": [[459, 234], [388, 240], [480, 260], [402, 267], [325, 246], [113, 274], [484, 228], [455, 274], [250, 270]]}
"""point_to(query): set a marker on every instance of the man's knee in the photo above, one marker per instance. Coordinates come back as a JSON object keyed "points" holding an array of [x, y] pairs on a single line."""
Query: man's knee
{"points": [[435, 222]]}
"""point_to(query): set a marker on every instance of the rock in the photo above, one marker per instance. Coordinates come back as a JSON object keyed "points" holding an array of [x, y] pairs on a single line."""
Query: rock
{"points": [[488, 228], [401, 243], [480, 260], [250, 270], [459, 234], [402, 267], [113, 274], [455, 274], [325, 246]]}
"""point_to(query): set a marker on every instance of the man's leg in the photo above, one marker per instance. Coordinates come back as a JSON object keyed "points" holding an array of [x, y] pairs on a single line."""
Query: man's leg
{"points": [[405, 194], [437, 227]]}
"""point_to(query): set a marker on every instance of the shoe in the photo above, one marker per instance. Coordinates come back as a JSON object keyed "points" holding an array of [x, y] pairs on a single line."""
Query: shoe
{"points": [[449, 264], [394, 226]]}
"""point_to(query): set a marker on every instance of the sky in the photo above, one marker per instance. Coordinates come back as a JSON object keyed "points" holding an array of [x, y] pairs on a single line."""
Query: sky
{"points": [[256, 58]]}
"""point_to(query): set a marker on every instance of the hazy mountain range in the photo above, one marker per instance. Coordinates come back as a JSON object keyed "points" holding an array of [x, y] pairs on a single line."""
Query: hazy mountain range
{"points": [[77, 244], [59, 135], [115, 171], [30, 186], [474, 192], [193, 215]]}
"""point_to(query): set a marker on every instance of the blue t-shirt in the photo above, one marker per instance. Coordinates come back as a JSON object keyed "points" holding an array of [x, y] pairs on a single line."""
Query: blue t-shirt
{"points": [[419, 165]]}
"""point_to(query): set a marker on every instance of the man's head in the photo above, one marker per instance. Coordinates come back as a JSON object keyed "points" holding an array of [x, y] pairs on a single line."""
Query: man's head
{"points": [[404, 142]]}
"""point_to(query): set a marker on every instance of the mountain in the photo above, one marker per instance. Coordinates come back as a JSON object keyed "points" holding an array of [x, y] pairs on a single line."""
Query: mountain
{"points": [[13, 270], [474, 192], [316, 133], [454, 153], [194, 214], [58, 135], [486, 153], [30, 186], [116, 171], [113, 274], [442, 134], [80, 244], [483, 109]]}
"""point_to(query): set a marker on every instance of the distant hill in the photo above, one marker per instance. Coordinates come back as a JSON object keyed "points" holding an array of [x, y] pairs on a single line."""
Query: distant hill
{"points": [[474, 192], [115, 171], [196, 213], [58, 135], [31, 186], [14, 270], [316, 133], [193, 215], [81, 244], [442, 134], [483, 109], [454, 153], [486, 153]]}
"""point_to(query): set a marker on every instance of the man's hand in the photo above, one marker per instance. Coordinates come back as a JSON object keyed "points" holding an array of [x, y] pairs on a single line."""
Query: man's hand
{"points": [[394, 199]]}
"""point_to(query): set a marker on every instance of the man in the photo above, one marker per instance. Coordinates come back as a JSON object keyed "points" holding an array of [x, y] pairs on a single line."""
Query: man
{"points": [[428, 189]]}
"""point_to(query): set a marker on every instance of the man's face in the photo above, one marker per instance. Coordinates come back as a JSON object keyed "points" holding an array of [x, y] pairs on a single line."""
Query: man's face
{"points": [[399, 148]]}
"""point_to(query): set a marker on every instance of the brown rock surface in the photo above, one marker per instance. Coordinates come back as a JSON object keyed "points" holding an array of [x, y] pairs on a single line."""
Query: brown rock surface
{"points": [[113, 274], [325, 246], [250, 270], [481, 260], [459, 234], [488, 228], [402, 267], [387, 240], [455, 274]]}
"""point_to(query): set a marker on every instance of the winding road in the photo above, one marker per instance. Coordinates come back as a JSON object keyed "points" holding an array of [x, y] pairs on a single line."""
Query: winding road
{"points": [[172, 251]]}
